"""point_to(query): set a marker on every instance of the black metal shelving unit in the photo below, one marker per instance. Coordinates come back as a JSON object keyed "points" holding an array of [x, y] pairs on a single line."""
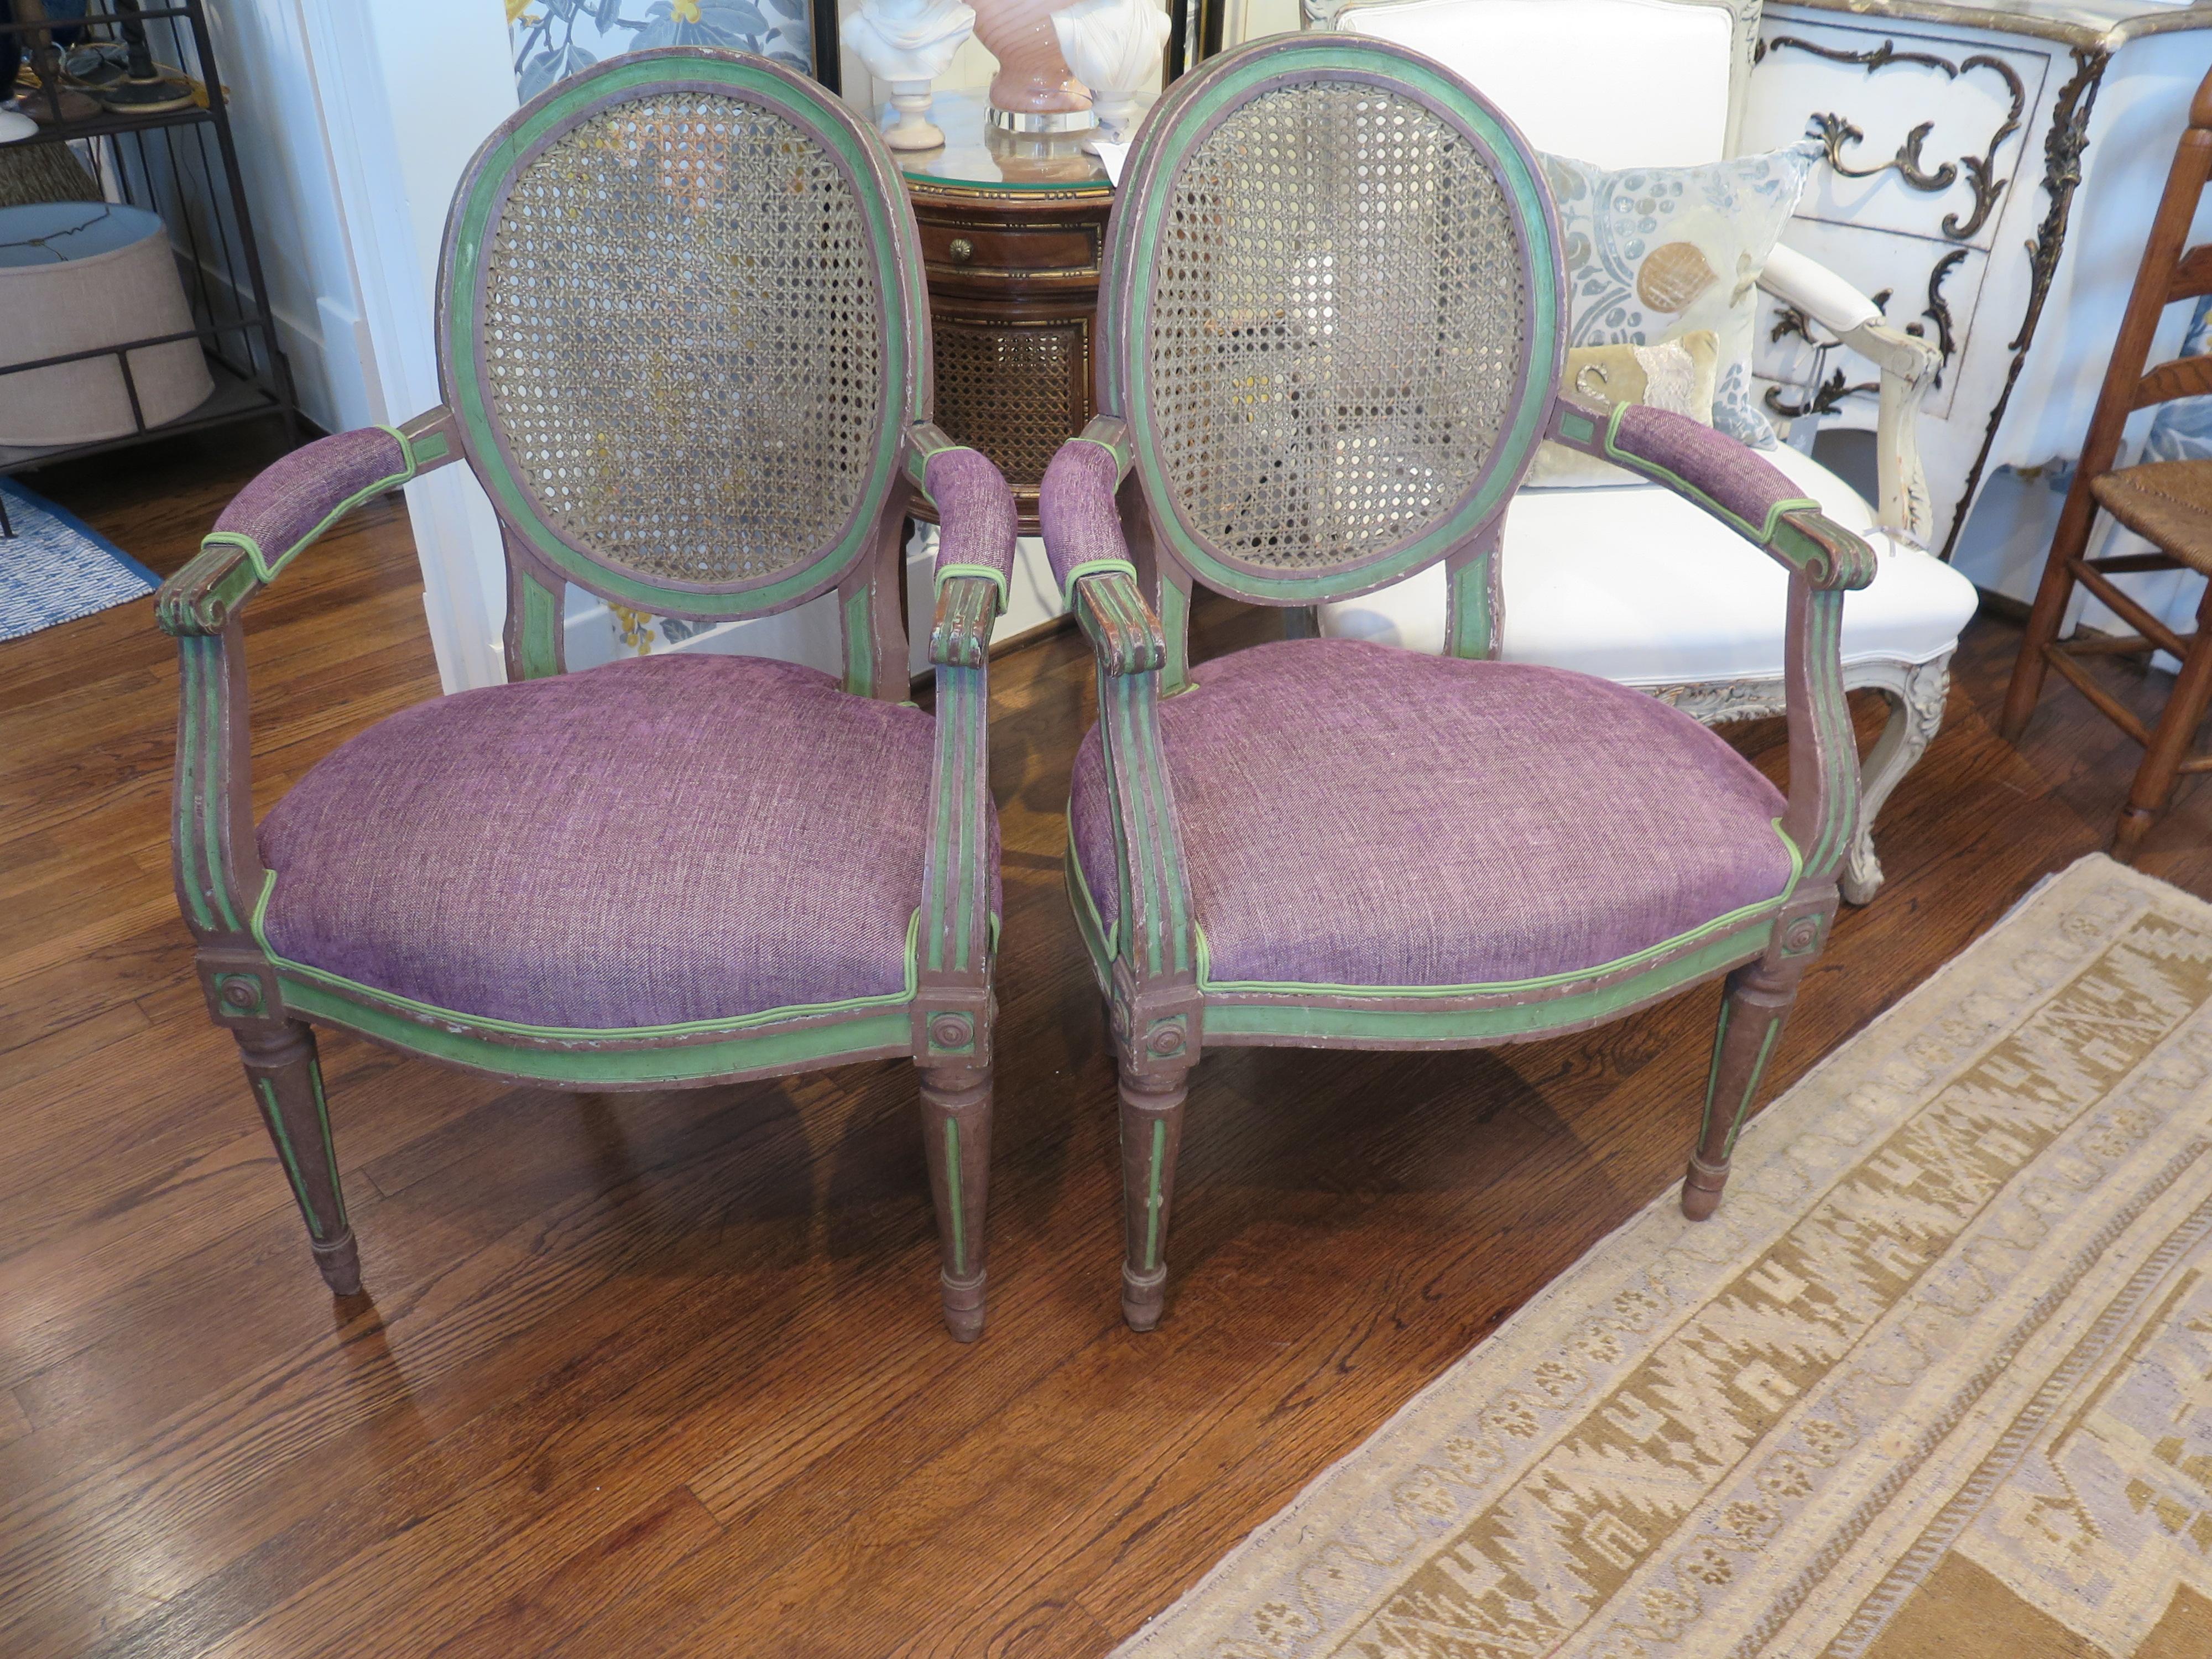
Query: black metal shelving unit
{"points": [[183, 165]]}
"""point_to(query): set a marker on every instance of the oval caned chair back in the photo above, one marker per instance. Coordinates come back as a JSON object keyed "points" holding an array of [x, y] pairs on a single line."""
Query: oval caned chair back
{"points": [[1333, 312], [682, 330]]}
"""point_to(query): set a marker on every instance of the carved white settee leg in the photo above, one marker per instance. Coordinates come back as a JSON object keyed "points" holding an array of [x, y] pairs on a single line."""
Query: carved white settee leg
{"points": [[1916, 712], [1914, 693]]}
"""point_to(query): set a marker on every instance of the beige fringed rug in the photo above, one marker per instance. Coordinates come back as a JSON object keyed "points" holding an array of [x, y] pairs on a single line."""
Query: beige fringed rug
{"points": [[1936, 1382]]}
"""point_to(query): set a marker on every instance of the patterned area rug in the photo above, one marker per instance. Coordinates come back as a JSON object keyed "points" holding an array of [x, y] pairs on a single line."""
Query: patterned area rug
{"points": [[1935, 1383], [55, 568]]}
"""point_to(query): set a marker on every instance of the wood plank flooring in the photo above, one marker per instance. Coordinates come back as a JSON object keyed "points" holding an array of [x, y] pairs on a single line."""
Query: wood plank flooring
{"points": [[664, 1374]]}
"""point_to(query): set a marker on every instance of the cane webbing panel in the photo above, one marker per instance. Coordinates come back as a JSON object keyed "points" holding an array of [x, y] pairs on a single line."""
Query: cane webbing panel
{"points": [[1338, 325], [682, 338], [1013, 393]]}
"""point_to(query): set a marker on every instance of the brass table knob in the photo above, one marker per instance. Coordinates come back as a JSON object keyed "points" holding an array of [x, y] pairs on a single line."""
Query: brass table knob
{"points": [[962, 250]]}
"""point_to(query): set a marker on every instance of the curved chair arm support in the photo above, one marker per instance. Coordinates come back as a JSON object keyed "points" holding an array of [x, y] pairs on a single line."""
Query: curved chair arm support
{"points": [[286, 507], [977, 524], [1728, 480], [271, 522], [1156, 946], [1908, 367], [1824, 561]]}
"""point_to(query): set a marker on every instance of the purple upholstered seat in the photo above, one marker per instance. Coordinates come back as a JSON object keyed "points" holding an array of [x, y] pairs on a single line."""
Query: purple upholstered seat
{"points": [[658, 841], [1356, 815]]}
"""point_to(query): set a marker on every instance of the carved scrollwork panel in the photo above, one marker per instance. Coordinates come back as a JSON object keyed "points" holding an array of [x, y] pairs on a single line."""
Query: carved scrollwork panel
{"points": [[1838, 134]]}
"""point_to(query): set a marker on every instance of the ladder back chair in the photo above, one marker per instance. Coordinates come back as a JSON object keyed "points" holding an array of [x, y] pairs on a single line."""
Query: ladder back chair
{"points": [[1331, 340], [684, 348], [2168, 503]]}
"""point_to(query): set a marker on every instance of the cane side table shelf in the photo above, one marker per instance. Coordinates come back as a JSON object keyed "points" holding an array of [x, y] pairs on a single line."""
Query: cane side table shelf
{"points": [[1012, 227]]}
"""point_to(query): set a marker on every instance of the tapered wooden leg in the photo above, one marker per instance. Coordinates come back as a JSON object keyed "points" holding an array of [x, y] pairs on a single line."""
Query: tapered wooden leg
{"points": [[1151, 1131], [287, 1081], [955, 1132], [1752, 1014], [2170, 742]]}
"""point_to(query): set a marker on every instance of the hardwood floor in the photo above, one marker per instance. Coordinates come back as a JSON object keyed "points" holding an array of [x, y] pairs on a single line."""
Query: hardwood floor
{"points": [[664, 1374]]}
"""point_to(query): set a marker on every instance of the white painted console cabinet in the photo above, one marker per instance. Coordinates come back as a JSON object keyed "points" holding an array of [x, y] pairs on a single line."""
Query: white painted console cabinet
{"points": [[1995, 170]]}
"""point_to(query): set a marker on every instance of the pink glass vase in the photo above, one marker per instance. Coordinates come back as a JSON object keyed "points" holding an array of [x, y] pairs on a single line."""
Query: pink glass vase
{"points": [[1033, 78]]}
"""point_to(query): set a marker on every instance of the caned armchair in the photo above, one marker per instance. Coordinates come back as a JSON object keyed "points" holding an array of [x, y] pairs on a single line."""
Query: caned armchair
{"points": [[1331, 340], [684, 348]]}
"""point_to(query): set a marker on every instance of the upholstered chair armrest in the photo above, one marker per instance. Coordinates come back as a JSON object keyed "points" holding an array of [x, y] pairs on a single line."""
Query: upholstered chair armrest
{"points": [[1824, 561], [1908, 367], [1090, 556], [273, 520], [291, 503], [1752, 496], [1156, 944], [976, 526]]}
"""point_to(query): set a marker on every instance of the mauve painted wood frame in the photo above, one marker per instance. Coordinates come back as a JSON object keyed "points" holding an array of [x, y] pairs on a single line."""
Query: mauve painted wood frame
{"points": [[942, 1021], [1151, 970], [1128, 280], [463, 267]]}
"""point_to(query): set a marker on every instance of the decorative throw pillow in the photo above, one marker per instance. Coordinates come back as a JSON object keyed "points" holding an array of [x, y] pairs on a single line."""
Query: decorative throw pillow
{"points": [[1675, 375], [1654, 253]]}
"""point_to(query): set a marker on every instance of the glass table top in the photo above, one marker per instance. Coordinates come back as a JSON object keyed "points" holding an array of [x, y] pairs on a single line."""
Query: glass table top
{"points": [[977, 155]]}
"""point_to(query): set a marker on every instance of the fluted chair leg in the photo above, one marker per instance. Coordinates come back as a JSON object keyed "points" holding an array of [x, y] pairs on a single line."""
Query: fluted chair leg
{"points": [[955, 1132], [1752, 1015], [287, 1080], [1151, 1131]]}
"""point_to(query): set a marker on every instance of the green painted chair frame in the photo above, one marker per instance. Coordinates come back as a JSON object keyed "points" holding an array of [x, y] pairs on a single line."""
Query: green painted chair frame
{"points": [[1130, 564], [944, 1022]]}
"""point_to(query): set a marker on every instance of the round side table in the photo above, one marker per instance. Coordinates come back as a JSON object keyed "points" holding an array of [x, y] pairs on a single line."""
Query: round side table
{"points": [[1012, 230]]}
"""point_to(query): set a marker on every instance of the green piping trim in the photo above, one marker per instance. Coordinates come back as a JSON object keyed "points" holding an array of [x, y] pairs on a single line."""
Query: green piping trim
{"points": [[1098, 938], [470, 404], [859, 653], [1750, 1087], [267, 1091], [990, 573], [300, 970], [266, 568], [957, 1197], [1101, 942], [1292, 1021], [1122, 457], [1153, 1194], [767, 1051], [1530, 419], [1734, 918], [1091, 567], [1763, 534]]}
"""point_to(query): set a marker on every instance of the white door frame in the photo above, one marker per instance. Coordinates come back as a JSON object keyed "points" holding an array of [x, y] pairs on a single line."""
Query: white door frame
{"points": [[407, 90]]}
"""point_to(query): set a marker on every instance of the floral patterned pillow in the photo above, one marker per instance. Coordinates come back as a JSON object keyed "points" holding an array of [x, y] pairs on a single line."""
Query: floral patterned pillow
{"points": [[1654, 253]]}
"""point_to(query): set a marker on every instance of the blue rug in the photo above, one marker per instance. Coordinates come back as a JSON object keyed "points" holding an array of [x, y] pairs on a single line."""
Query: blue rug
{"points": [[55, 568]]}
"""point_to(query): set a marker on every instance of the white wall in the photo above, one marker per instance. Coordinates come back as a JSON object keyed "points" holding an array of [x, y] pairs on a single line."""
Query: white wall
{"points": [[275, 121], [407, 90]]}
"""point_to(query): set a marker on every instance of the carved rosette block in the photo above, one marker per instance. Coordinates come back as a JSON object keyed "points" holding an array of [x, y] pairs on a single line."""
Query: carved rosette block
{"points": [[1033, 78]]}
